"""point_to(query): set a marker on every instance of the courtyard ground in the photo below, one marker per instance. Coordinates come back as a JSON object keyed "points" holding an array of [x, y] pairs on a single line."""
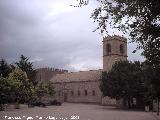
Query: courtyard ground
{"points": [[72, 111]]}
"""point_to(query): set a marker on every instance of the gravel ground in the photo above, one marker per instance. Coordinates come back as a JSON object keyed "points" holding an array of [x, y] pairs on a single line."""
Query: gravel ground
{"points": [[72, 111]]}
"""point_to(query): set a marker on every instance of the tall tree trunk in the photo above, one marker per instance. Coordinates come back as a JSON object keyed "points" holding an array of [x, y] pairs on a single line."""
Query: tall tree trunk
{"points": [[1, 107], [158, 106], [152, 104], [129, 102]]}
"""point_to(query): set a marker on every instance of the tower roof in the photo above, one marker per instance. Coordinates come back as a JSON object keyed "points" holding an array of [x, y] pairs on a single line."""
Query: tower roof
{"points": [[114, 37]]}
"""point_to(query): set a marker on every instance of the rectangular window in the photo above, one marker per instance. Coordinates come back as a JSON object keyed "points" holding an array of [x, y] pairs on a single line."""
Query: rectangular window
{"points": [[85, 92], [93, 93], [59, 93], [79, 93]]}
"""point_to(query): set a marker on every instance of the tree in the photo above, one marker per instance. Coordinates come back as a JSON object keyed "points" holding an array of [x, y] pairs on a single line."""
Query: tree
{"points": [[152, 82], [27, 67], [21, 87], [5, 89], [5, 69], [123, 81], [43, 89], [50, 88], [139, 18], [40, 89]]}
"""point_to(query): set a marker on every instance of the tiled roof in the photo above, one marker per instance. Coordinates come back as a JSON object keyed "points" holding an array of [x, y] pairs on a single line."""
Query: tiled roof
{"points": [[91, 75]]}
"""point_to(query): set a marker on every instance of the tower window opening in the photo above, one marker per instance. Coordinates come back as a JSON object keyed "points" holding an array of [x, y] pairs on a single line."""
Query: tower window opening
{"points": [[85, 92], [122, 49], [108, 48]]}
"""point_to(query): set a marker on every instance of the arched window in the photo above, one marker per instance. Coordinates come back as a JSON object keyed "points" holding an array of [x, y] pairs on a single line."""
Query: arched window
{"points": [[85, 92], [93, 92], [59, 93], [79, 93], [108, 48], [121, 48], [72, 93]]}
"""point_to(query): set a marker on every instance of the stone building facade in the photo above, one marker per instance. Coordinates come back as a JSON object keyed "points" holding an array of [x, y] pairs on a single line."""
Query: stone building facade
{"points": [[78, 86], [83, 86]]}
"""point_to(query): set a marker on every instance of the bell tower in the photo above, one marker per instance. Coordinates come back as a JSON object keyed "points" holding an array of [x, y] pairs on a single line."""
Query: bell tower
{"points": [[114, 49]]}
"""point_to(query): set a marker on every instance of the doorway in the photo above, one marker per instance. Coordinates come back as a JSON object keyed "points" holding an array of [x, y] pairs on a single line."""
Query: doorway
{"points": [[65, 97]]}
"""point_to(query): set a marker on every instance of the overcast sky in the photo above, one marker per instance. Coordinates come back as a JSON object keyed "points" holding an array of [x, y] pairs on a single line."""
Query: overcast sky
{"points": [[52, 34]]}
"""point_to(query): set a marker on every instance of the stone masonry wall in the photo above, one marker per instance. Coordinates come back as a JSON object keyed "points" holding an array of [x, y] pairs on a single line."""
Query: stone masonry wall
{"points": [[87, 92], [109, 58]]}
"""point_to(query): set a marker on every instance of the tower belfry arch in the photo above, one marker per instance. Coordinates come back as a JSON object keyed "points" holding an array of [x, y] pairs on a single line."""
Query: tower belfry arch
{"points": [[114, 49]]}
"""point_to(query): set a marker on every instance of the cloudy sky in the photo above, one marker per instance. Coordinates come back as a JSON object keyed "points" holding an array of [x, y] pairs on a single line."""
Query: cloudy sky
{"points": [[52, 34]]}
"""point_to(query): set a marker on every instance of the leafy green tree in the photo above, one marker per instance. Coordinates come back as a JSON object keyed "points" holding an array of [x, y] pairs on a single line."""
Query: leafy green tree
{"points": [[5, 69], [25, 65], [5, 89], [43, 89], [40, 89], [139, 18], [21, 87], [123, 81], [17, 88], [50, 88], [152, 82]]}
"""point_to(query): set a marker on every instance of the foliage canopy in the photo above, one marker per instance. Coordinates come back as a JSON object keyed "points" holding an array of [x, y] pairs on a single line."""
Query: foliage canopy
{"points": [[139, 18]]}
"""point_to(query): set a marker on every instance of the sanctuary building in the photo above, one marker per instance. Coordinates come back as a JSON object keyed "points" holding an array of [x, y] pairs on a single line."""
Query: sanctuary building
{"points": [[83, 86]]}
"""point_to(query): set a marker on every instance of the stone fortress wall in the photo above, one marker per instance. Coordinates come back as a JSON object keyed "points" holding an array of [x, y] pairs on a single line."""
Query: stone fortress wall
{"points": [[45, 74]]}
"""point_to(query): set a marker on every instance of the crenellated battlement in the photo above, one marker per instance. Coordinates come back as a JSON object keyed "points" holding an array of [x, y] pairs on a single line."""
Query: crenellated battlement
{"points": [[45, 74], [117, 37], [47, 69]]}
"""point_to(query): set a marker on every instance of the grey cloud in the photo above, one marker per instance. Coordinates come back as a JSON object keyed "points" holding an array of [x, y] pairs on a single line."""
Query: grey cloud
{"points": [[63, 40]]}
